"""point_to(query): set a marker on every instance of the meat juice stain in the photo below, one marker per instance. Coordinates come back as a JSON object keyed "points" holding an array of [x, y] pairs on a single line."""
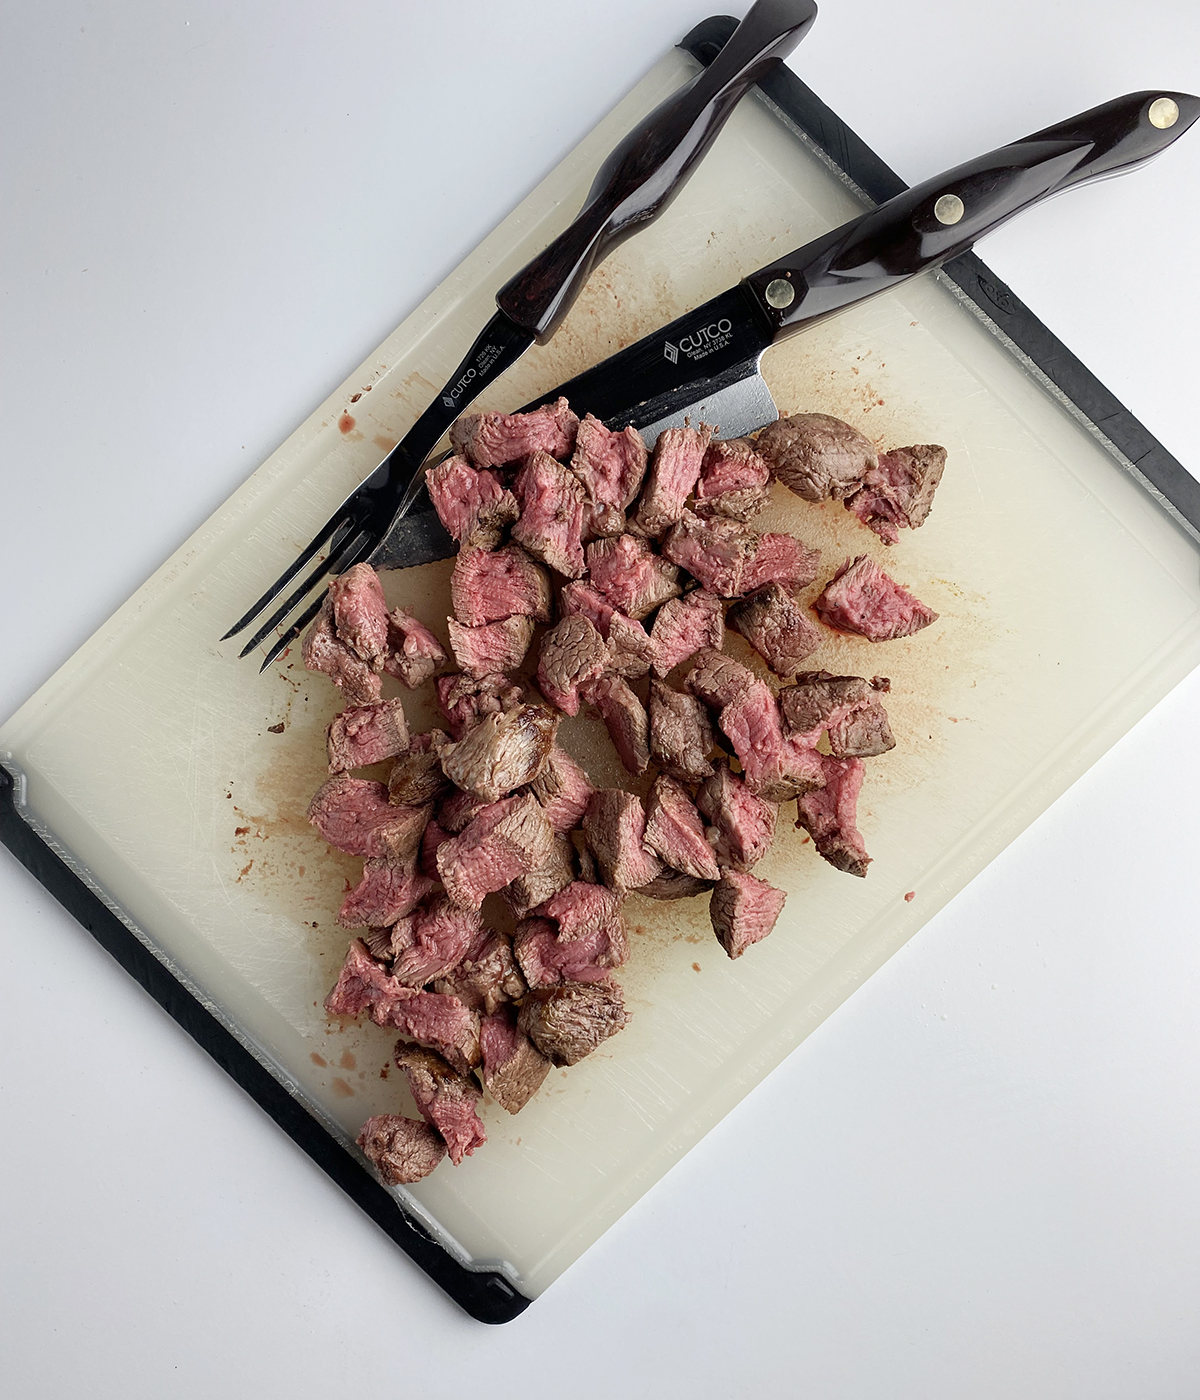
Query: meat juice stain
{"points": [[342, 1089], [319, 1060], [346, 423], [695, 967], [910, 896], [347, 1061]]}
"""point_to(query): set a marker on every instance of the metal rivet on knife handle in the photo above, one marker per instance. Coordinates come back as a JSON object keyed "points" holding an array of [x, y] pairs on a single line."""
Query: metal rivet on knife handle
{"points": [[949, 209], [780, 293], [1164, 112]]}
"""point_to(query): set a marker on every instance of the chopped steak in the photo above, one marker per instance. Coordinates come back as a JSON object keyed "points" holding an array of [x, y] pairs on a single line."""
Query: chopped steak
{"points": [[490, 585], [464, 699], [509, 838], [845, 706], [674, 884], [387, 892], [581, 599], [526, 892], [770, 768], [615, 828], [487, 978], [472, 504], [717, 679], [513, 1069], [548, 961], [360, 613], [816, 456], [741, 505], [744, 909], [378, 942], [355, 816], [674, 830], [493, 439], [502, 752], [573, 1020], [731, 559], [683, 626], [829, 815], [581, 910], [732, 465], [610, 466], [681, 735], [438, 937], [402, 1150], [742, 826], [572, 654], [624, 717], [434, 835], [861, 598], [674, 471], [897, 494], [458, 810], [633, 578], [552, 505], [323, 651], [861, 733], [438, 1022], [444, 1098], [496, 646], [366, 734], [776, 627], [416, 777], [781, 559], [563, 789], [364, 984], [413, 653], [630, 650]]}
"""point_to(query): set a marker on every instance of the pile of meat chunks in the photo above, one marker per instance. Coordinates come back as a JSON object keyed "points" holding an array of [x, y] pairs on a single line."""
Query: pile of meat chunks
{"points": [[631, 564]]}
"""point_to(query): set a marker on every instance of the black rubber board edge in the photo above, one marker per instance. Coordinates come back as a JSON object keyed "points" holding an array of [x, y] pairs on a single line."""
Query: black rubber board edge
{"points": [[488, 1296]]}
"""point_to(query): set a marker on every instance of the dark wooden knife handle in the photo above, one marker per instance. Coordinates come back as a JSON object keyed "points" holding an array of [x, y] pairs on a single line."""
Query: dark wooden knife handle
{"points": [[651, 165]]}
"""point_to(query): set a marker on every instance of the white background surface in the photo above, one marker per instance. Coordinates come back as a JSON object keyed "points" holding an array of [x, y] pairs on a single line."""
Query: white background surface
{"points": [[979, 1178]]}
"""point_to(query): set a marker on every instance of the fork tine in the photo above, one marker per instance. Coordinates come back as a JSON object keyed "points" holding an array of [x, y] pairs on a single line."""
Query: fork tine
{"points": [[324, 536], [328, 565], [345, 558]]}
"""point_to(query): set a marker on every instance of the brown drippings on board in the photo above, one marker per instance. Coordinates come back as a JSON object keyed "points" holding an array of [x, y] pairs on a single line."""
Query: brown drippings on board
{"points": [[318, 1060], [347, 1061], [342, 1089], [346, 423], [695, 967], [276, 728]]}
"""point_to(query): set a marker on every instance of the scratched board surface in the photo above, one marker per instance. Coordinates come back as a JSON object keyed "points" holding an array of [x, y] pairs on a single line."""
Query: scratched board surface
{"points": [[177, 777]]}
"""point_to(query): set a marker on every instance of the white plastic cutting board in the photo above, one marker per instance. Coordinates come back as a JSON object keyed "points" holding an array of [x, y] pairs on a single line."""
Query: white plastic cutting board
{"points": [[1068, 602]]}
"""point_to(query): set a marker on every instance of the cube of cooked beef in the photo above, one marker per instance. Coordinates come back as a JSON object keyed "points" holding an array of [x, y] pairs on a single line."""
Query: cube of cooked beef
{"points": [[674, 471], [684, 625], [438, 1022], [742, 825], [714, 551], [445, 1099], [503, 752], [549, 961], [830, 815], [323, 651], [615, 828], [487, 978], [781, 559], [572, 654], [366, 734], [493, 439], [571, 1021], [741, 506], [630, 650], [731, 465], [490, 585], [675, 831], [355, 816], [816, 456], [582, 600], [459, 809], [471, 503], [437, 936], [776, 627], [496, 646], [563, 789], [416, 777], [862, 599], [674, 884], [378, 942], [387, 892], [363, 984], [526, 892], [402, 1150], [610, 465], [413, 653], [630, 575], [772, 768], [716, 678], [465, 699], [844, 706], [360, 613], [589, 871], [681, 735], [897, 494], [513, 1068], [582, 910], [624, 717], [744, 909], [508, 838], [552, 506], [434, 835]]}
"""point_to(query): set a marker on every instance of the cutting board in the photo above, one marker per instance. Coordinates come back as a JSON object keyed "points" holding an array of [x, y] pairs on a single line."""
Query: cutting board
{"points": [[1069, 603]]}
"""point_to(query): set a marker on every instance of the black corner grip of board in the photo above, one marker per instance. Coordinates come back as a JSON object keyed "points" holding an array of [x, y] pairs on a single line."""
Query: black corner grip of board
{"points": [[1164, 472], [486, 1295]]}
